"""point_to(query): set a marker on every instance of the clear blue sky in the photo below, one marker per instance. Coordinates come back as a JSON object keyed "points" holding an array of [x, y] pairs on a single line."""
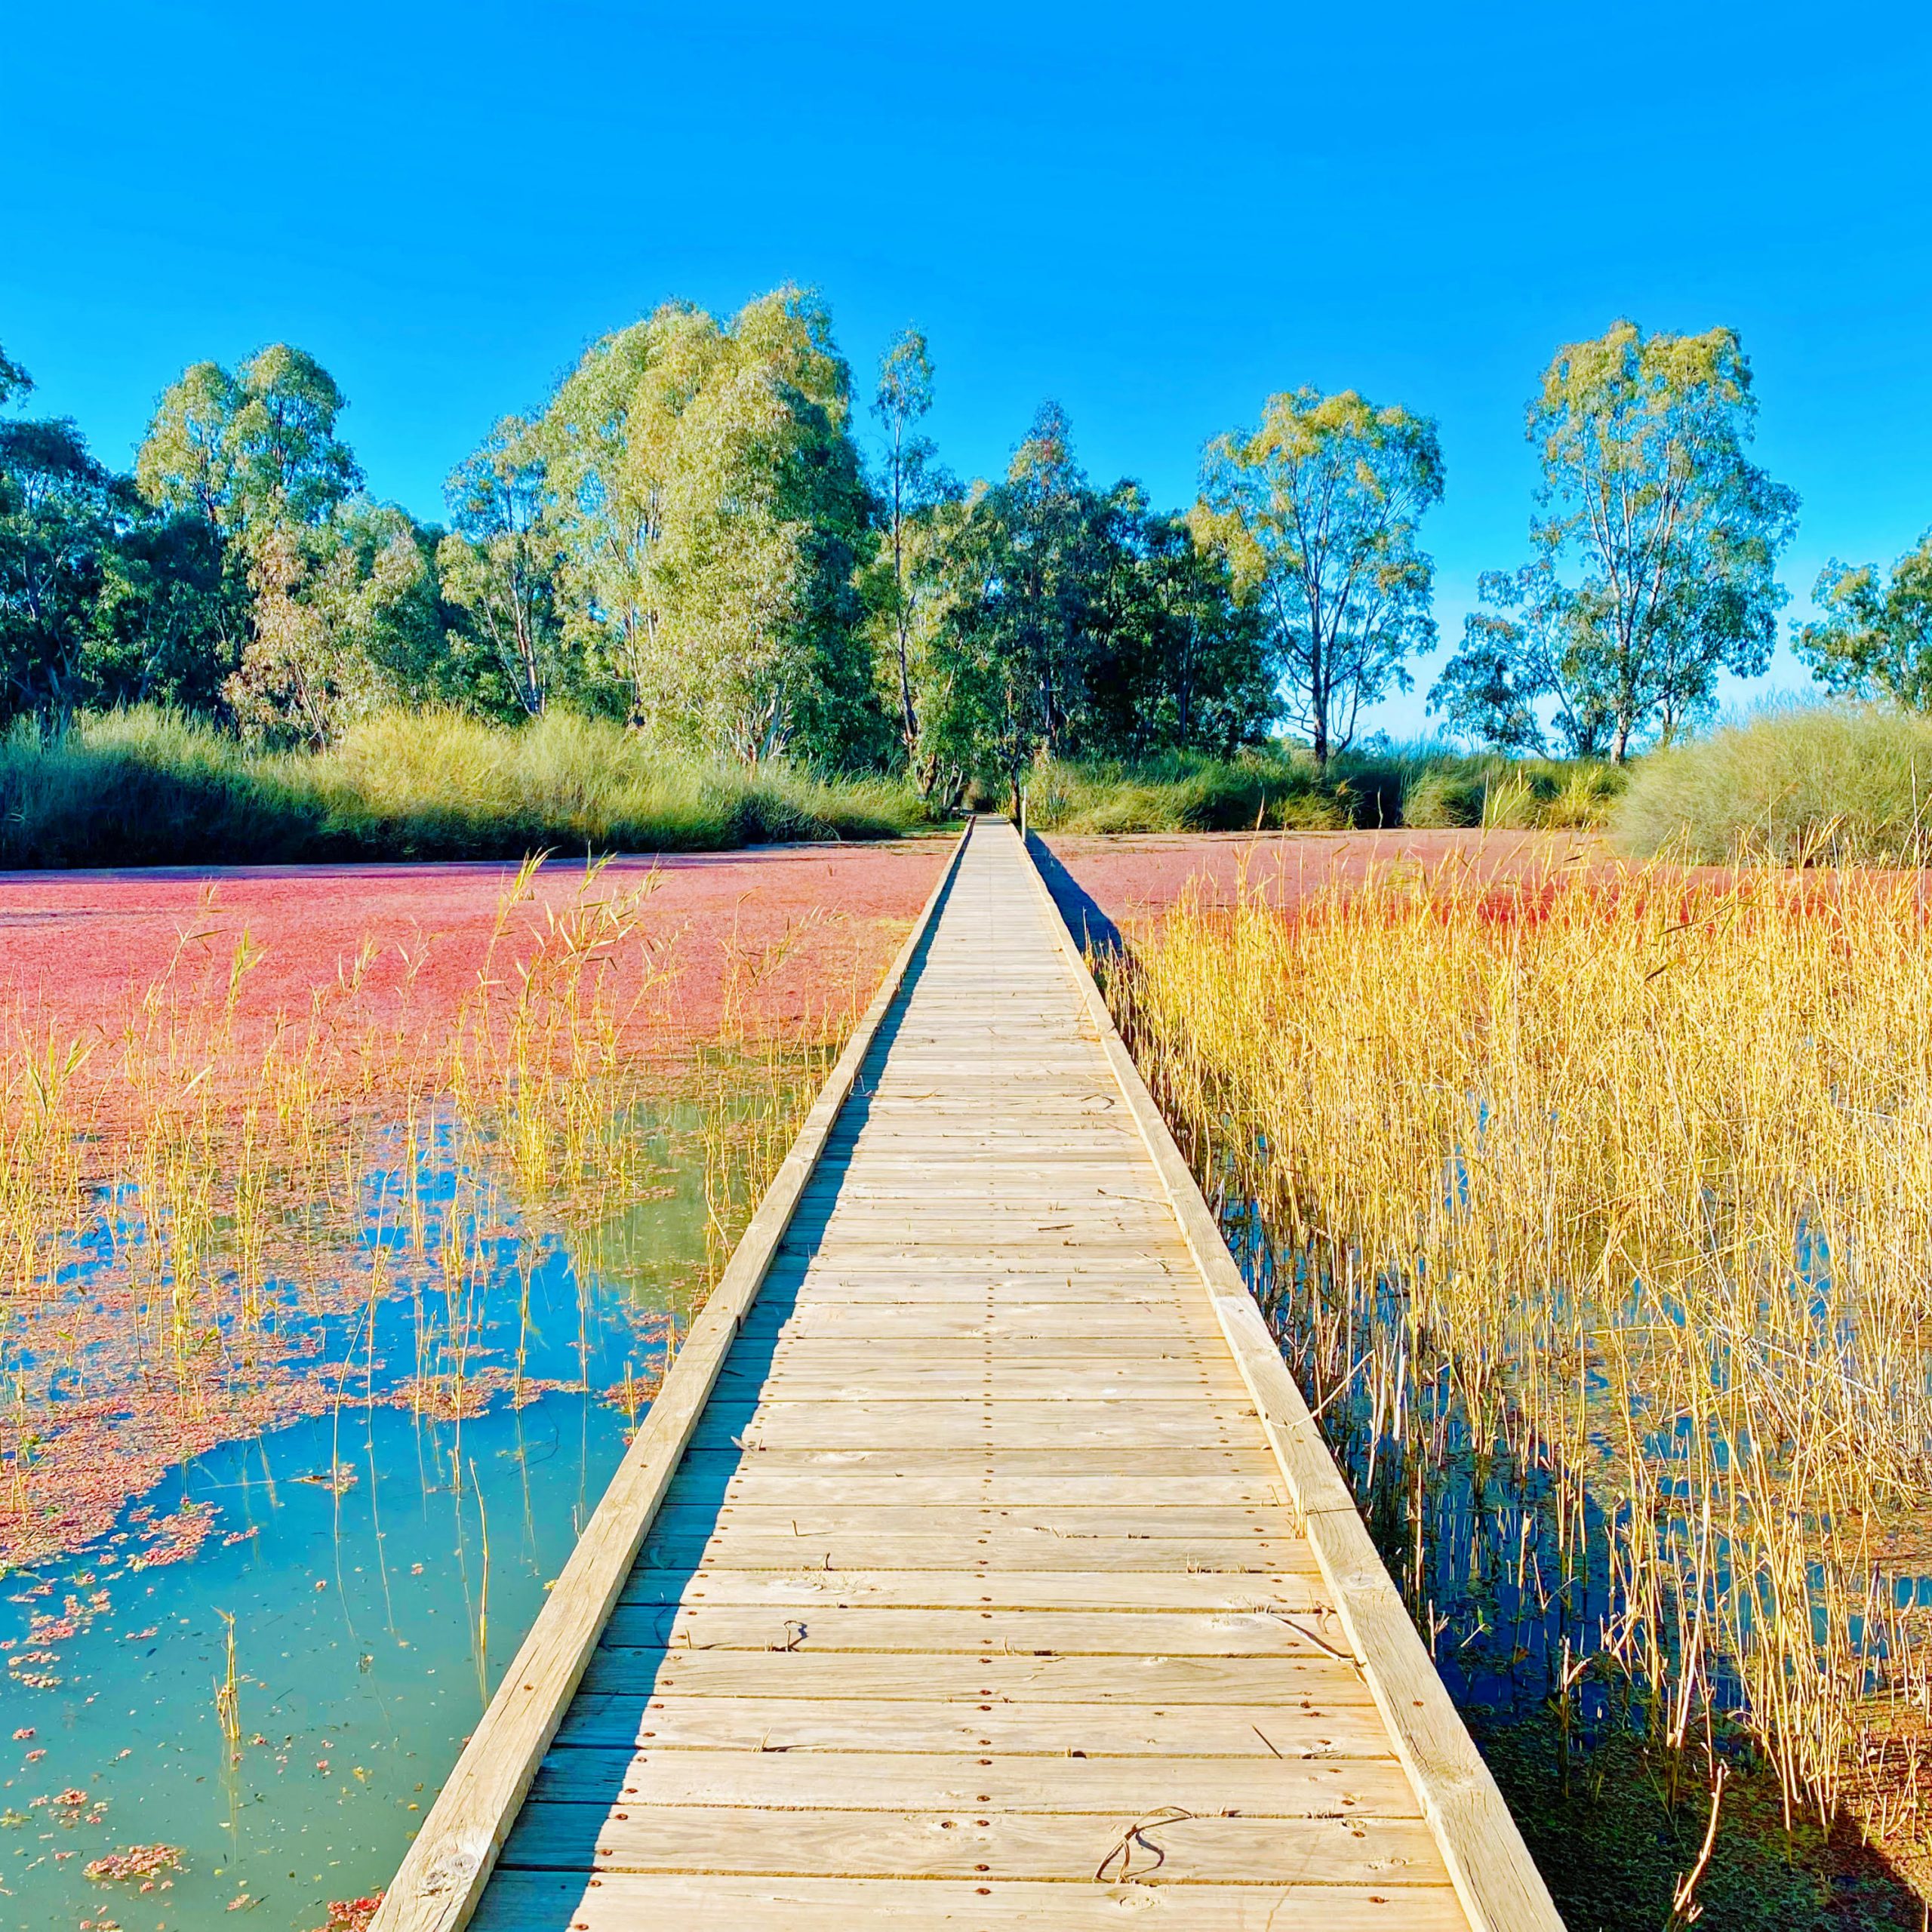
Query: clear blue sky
{"points": [[1156, 216]]}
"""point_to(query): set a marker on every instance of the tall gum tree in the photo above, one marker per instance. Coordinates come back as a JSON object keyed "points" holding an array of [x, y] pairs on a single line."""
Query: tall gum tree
{"points": [[1317, 513], [911, 485], [1875, 638], [498, 564], [708, 508], [254, 453], [1656, 541]]}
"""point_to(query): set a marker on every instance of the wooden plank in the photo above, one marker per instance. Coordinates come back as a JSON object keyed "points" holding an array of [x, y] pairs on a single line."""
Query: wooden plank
{"points": [[445, 1869], [1006, 1549], [617, 1902], [961, 1425], [842, 1628], [1297, 1594], [876, 1382], [1262, 1786], [1290, 1734], [1315, 1679], [747, 1515], [1393, 1853], [1248, 1459]]}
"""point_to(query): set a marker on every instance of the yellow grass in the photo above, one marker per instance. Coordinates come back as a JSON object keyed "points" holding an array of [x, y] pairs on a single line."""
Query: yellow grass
{"points": [[1631, 1191]]}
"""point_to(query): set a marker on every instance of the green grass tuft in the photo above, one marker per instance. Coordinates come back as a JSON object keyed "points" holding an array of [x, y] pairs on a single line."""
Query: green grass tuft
{"points": [[1825, 785]]}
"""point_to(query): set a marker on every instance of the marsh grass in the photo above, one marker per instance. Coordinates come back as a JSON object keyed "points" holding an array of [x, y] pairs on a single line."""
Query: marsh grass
{"points": [[206, 1219], [1811, 786], [145, 786], [1597, 1223], [1425, 784]]}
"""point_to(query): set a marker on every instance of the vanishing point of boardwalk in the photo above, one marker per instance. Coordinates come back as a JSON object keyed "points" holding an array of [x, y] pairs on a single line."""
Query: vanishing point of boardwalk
{"points": [[978, 1563]]}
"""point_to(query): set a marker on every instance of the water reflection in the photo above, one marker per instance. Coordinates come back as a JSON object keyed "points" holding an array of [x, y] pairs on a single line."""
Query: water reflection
{"points": [[381, 1558]]}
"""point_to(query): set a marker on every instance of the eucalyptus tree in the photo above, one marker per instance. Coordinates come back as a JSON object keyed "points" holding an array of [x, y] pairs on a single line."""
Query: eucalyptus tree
{"points": [[709, 510], [1875, 638], [912, 485], [1189, 666], [1525, 648], [1317, 512], [1656, 537], [499, 564], [253, 449], [254, 453]]}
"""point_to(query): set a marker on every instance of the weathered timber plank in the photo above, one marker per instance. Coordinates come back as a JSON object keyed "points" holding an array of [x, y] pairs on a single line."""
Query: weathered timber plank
{"points": [[1008, 1549], [1356, 1850], [544, 1902], [1314, 1681], [716, 1628], [1292, 1733], [1257, 1787], [1298, 1594]]}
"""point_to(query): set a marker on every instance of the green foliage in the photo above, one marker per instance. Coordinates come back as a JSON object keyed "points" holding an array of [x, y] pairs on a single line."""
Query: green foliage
{"points": [[499, 567], [251, 451], [1077, 623], [14, 381], [1875, 639], [1317, 514], [1836, 784], [146, 786], [903, 585], [1420, 786], [1670, 537], [100, 600], [706, 497]]}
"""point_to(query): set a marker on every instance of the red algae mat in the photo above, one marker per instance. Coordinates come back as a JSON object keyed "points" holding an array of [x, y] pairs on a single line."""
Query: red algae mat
{"points": [[789, 932], [1134, 878], [142, 1328]]}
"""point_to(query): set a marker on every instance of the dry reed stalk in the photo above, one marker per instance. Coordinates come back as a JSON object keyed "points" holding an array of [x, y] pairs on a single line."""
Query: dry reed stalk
{"points": [[1618, 1202]]}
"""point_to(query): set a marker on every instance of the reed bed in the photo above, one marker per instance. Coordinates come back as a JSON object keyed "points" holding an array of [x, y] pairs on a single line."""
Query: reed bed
{"points": [[1597, 1223], [212, 1222]]}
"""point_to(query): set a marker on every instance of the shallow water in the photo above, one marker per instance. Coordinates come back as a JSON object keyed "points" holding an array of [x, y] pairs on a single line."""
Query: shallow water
{"points": [[350, 1550]]}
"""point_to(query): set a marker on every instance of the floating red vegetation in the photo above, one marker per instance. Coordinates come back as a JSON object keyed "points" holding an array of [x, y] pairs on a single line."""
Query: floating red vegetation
{"points": [[73, 944], [351, 1915], [144, 1862], [140, 997]]}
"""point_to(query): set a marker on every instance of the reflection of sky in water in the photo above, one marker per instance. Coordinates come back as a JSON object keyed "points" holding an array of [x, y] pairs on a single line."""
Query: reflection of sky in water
{"points": [[356, 1613]]}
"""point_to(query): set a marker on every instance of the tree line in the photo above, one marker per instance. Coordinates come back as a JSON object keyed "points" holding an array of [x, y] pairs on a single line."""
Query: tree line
{"points": [[691, 535]]}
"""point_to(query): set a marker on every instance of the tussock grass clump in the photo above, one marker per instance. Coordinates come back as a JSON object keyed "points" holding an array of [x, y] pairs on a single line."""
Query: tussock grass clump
{"points": [[1826, 785], [145, 786], [1604, 1215]]}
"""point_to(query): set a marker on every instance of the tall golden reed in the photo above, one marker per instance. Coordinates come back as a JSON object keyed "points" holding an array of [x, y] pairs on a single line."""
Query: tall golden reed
{"points": [[1627, 1185]]}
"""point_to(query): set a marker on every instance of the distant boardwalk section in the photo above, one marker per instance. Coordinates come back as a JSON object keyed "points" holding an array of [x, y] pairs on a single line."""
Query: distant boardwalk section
{"points": [[978, 1563]]}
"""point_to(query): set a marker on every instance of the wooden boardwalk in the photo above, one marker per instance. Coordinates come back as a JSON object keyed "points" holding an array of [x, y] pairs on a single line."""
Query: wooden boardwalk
{"points": [[979, 1564]]}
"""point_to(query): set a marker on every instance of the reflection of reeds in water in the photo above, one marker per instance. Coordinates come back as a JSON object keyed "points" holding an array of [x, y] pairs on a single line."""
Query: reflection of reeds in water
{"points": [[231, 1185], [227, 1697], [1597, 1223]]}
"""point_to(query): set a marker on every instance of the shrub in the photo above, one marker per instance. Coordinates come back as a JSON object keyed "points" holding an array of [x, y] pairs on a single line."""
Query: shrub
{"points": [[1822, 785]]}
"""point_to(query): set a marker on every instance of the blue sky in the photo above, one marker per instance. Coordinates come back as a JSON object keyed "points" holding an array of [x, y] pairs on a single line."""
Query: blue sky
{"points": [[1155, 215]]}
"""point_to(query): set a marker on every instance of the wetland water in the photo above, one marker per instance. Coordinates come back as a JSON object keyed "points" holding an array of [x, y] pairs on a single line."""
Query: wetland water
{"points": [[381, 1558]]}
